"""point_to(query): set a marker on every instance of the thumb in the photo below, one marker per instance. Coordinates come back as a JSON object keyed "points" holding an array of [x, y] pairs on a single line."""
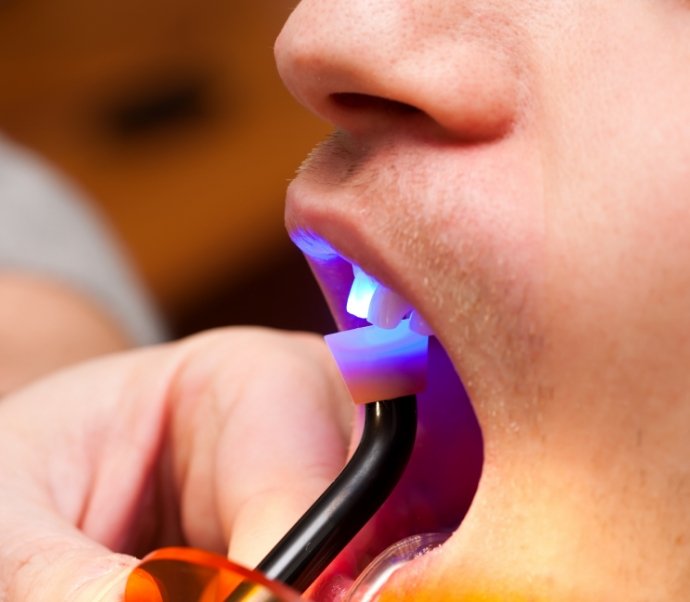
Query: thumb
{"points": [[263, 520], [62, 571], [102, 580]]}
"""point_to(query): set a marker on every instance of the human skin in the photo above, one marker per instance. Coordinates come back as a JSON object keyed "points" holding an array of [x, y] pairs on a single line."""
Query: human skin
{"points": [[526, 192], [46, 325], [519, 171], [219, 441]]}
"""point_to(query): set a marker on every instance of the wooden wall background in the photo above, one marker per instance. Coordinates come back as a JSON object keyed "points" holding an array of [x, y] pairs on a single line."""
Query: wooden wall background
{"points": [[170, 115]]}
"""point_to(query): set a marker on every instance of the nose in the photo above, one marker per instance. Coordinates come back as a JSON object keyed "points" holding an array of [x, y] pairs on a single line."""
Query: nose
{"points": [[363, 64]]}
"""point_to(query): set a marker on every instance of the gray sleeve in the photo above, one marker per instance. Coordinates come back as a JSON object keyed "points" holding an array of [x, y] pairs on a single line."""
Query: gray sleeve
{"points": [[46, 227]]}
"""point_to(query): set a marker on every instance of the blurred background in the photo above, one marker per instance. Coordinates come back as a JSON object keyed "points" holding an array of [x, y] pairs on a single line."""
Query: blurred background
{"points": [[170, 115]]}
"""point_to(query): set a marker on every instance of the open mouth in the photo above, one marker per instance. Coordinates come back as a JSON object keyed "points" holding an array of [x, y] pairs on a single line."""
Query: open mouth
{"points": [[441, 478]]}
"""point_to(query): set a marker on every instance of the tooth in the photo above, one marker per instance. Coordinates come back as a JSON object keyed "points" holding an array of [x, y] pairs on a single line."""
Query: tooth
{"points": [[361, 293], [387, 308], [419, 324]]}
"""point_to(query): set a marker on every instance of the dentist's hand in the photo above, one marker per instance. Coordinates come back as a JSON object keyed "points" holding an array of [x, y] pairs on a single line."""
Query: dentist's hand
{"points": [[220, 442]]}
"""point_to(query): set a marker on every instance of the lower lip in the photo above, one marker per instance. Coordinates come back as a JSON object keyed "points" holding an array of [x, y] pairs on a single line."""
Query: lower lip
{"points": [[374, 577], [370, 583]]}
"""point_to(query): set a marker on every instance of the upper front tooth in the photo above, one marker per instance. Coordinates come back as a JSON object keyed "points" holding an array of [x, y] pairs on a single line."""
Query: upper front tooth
{"points": [[361, 293], [387, 308]]}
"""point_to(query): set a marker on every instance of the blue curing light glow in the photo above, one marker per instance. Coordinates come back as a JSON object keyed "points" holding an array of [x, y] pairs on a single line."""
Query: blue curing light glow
{"points": [[312, 245], [361, 293], [400, 344], [377, 363]]}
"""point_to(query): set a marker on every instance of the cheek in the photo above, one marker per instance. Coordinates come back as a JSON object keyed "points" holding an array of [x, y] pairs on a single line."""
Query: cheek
{"points": [[619, 282], [618, 175]]}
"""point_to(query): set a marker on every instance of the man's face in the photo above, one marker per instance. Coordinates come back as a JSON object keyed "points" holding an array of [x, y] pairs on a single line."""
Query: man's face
{"points": [[520, 173]]}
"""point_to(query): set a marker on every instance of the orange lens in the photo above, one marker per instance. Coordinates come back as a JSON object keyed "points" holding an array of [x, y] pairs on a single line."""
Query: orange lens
{"points": [[189, 575]]}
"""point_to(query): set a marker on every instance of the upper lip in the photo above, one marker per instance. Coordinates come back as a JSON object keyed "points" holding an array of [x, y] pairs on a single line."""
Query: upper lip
{"points": [[319, 208], [335, 277], [456, 230]]}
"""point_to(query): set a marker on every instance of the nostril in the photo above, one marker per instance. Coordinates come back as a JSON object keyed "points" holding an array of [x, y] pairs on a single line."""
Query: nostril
{"points": [[370, 103]]}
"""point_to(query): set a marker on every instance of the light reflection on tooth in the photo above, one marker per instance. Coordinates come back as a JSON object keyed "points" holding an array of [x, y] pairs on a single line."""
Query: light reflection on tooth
{"points": [[387, 308], [420, 325], [361, 293], [379, 305]]}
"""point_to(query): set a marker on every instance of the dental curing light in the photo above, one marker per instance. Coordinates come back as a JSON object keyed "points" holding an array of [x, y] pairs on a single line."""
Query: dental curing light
{"points": [[351, 500], [376, 363]]}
